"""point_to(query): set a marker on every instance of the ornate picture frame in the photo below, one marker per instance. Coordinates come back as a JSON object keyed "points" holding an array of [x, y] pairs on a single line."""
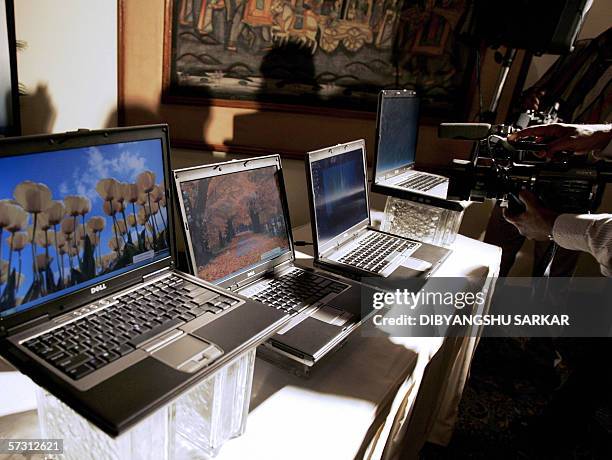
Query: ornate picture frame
{"points": [[316, 56]]}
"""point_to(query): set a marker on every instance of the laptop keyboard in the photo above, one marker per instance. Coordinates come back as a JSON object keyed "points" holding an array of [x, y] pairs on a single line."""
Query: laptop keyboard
{"points": [[422, 182], [296, 290], [376, 251], [97, 339]]}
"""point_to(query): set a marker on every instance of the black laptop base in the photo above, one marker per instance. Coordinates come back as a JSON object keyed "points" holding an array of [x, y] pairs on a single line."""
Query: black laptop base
{"points": [[121, 401]]}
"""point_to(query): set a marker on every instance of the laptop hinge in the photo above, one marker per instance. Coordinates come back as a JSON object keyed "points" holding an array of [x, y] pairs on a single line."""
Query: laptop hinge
{"points": [[23, 326], [240, 284], [352, 236], [257, 276], [156, 273]]}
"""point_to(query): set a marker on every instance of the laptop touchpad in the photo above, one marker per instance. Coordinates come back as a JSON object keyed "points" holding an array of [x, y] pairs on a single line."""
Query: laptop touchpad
{"points": [[188, 354]]}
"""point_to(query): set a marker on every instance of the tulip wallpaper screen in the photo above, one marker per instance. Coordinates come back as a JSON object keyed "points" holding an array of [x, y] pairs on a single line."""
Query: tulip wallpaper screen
{"points": [[236, 221], [75, 217]]}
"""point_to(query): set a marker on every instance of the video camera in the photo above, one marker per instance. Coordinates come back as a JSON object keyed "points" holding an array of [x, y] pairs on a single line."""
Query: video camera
{"points": [[500, 169]]}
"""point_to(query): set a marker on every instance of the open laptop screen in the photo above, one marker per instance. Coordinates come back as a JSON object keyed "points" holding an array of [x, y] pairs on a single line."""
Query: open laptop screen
{"points": [[340, 200], [74, 218], [397, 134], [236, 221]]}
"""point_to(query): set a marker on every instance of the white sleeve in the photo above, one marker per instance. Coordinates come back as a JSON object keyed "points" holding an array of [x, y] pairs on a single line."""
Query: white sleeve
{"points": [[590, 233]]}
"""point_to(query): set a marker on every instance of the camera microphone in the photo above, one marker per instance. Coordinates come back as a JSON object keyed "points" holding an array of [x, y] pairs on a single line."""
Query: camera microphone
{"points": [[464, 131]]}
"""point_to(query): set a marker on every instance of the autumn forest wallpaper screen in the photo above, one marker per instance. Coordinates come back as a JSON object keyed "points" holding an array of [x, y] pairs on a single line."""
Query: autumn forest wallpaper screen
{"points": [[236, 221]]}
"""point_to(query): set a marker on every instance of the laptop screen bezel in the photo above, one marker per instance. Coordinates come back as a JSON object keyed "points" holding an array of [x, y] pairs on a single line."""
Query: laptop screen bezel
{"points": [[321, 154], [383, 96], [78, 139], [221, 169]]}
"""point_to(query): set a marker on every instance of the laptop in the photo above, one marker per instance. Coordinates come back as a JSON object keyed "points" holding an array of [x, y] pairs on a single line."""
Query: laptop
{"points": [[238, 236], [91, 305], [343, 237], [397, 126]]}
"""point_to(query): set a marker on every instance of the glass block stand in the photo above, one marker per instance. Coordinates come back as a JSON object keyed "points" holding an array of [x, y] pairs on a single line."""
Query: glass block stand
{"points": [[421, 222], [196, 425]]}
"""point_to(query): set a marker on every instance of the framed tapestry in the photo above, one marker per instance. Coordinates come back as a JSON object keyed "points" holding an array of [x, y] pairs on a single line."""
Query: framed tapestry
{"points": [[316, 55]]}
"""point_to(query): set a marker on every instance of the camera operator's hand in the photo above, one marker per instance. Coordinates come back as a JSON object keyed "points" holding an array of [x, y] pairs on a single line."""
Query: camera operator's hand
{"points": [[536, 222], [559, 137]]}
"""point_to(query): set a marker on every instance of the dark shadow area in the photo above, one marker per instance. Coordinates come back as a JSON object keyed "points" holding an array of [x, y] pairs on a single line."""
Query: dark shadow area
{"points": [[38, 113], [188, 122], [285, 65], [6, 113], [289, 64], [516, 404]]}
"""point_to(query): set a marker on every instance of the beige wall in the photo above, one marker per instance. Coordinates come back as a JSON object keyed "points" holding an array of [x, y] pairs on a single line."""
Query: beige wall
{"points": [[69, 66]]}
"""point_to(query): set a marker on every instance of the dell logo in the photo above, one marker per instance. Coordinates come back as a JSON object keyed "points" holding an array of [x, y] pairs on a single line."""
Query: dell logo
{"points": [[98, 288], [251, 273]]}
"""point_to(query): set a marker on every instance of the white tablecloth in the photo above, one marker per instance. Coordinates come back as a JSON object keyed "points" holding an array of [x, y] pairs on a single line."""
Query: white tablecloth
{"points": [[377, 397]]}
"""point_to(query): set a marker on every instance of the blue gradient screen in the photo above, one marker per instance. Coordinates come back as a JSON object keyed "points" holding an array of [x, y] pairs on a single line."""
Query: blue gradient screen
{"points": [[398, 127], [339, 193]]}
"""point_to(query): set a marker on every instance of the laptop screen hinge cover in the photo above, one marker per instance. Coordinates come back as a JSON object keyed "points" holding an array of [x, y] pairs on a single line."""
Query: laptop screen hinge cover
{"points": [[156, 273]]}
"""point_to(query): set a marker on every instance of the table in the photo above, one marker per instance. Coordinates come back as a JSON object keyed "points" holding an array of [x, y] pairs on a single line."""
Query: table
{"points": [[376, 397]]}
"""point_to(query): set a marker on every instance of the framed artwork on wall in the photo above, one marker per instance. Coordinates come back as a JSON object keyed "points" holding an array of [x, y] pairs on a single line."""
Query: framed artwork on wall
{"points": [[284, 116], [316, 56]]}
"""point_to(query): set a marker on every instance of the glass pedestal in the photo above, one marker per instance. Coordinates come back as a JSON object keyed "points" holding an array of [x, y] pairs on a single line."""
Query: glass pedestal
{"points": [[195, 425], [421, 222]]}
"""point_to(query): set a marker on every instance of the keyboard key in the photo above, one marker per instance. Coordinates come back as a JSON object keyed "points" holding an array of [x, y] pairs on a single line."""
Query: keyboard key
{"points": [[213, 307], [136, 341], [197, 311], [231, 301], [97, 363], [124, 349], [189, 287], [80, 371], [187, 316], [109, 356], [204, 297], [73, 361], [58, 357], [89, 343]]}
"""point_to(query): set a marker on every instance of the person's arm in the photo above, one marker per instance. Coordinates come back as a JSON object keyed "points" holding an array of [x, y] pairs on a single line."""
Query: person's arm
{"points": [[560, 137], [590, 233]]}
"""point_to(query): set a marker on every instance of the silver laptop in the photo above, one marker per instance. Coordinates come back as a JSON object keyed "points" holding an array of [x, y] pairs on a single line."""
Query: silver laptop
{"points": [[92, 307], [343, 237], [396, 141], [238, 236]]}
